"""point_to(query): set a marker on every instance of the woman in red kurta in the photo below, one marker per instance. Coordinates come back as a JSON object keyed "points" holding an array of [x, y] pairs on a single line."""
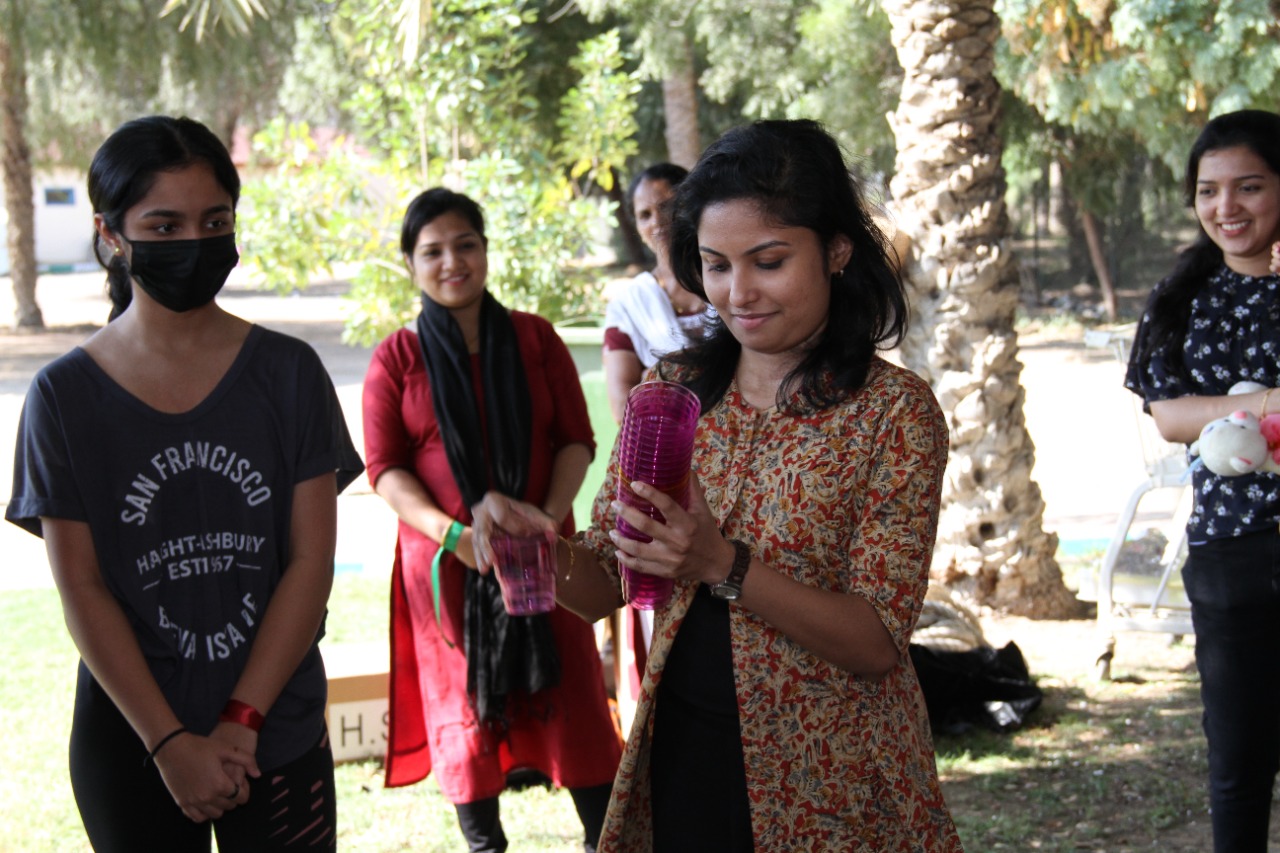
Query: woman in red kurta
{"points": [[437, 721]]}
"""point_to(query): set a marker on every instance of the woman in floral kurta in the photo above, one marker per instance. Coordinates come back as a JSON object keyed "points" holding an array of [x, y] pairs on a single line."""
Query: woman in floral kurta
{"points": [[802, 561]]}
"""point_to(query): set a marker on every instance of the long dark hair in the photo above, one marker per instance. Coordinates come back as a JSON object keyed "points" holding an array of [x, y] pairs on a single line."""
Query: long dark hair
{"points": [[124, 169], [1169, 308], [431, 204], [796, 173]]}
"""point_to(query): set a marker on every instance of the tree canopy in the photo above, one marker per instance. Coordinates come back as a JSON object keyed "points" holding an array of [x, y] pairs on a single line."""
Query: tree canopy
{"points": [[443, 95], [538, 110], [1150, 71]]}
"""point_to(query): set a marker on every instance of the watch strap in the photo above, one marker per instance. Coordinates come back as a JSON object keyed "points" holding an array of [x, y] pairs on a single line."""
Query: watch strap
{"points": [[731, 587]]}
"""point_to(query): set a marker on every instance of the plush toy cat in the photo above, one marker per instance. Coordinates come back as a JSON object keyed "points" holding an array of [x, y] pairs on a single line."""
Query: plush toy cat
{"points": [[1240, 443]]}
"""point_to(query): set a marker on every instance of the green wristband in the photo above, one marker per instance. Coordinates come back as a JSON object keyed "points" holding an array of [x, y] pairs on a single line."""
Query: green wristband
{"points": [[452, 535], [450, 543]]}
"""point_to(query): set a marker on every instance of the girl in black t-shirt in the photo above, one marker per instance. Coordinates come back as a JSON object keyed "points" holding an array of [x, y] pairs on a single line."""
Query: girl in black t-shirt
{"points": [[182, 466]]}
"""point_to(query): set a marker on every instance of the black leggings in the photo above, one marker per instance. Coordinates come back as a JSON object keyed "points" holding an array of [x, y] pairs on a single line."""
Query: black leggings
{"points": [[481, 823], [126, 807], [1234, 587]]}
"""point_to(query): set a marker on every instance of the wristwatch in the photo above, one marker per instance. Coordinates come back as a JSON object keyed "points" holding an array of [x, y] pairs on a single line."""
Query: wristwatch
{"points": [[730, 588]]}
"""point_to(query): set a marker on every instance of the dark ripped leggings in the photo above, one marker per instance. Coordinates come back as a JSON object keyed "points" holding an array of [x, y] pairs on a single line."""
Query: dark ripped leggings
{"points": [[126, 807]]}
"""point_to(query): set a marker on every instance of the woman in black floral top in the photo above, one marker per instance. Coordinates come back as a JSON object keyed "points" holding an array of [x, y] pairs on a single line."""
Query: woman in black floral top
{"points": [[1213, 322]]}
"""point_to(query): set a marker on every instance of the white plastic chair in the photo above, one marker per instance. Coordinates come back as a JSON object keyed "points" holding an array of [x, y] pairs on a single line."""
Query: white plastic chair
{"points": [[1158, 611]]}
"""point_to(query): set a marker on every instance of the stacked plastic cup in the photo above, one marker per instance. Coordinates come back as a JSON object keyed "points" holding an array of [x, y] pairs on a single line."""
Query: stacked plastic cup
{"points": [[655, 446], [526, 570]]}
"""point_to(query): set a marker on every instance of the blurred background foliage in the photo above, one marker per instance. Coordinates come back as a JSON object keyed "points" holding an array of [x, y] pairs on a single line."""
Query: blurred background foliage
{"points": [[543, 111]]}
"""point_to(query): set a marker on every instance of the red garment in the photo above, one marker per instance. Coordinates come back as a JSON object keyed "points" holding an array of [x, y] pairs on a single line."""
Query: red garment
{"points": [[565, 732]]}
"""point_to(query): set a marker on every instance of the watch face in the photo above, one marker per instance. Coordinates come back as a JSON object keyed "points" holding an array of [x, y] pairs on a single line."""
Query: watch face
{"points": [[726, 591]]}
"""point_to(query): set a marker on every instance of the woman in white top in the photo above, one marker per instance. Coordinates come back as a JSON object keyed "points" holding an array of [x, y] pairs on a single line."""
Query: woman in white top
{"points": [[651, 315], [646, 318]]}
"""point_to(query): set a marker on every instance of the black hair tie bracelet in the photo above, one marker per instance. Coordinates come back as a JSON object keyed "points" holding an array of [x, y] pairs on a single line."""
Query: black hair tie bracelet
{"points": [[151, 757]]}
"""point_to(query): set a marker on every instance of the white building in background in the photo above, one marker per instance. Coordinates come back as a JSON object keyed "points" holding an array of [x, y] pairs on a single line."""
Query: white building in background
{"points": [[64, 223]]}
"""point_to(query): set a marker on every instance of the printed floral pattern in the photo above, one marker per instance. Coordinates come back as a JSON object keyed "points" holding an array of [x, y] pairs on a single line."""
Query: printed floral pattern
{"points": [[844, 498], [1233, 335]]}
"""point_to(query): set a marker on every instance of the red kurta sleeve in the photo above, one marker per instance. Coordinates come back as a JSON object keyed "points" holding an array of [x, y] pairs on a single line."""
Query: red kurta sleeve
{"points": [[386, 441]]}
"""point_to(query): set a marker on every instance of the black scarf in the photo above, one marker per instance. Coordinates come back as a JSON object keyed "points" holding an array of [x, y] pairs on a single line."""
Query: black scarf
{"points": [[505, 654]]}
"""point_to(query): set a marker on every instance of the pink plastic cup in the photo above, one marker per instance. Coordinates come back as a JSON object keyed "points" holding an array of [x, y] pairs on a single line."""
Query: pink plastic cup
{"points": [[656, 440], [526, 570], [646, 592], [655, 447]]}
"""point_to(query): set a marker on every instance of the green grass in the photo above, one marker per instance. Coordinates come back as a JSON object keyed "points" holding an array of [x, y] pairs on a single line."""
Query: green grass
{"points": [[1113, 766], [37, 686], [359, 608], [605, 431]]}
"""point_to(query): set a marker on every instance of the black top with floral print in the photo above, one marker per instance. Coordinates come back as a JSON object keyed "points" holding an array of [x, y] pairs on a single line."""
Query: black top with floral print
{"points": [[1233, 335]]}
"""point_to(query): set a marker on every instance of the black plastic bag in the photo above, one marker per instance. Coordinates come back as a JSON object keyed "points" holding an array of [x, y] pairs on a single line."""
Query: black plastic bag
{"points": [[985, 687]]}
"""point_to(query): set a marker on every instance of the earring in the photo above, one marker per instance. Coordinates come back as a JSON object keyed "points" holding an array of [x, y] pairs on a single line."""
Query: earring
{"points": [[117, 249], [838, 274]]}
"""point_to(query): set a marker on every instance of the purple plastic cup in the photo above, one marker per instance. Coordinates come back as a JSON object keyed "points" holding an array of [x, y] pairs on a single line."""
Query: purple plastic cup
{"points": [[526, 571], [655, 447]]}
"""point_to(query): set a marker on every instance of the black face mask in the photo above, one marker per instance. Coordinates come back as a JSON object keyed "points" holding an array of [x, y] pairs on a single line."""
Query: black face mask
{"points": [[183, 274]]}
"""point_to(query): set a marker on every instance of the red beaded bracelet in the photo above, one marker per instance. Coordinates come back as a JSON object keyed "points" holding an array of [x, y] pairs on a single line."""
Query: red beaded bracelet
{"points": [[246, 715]]}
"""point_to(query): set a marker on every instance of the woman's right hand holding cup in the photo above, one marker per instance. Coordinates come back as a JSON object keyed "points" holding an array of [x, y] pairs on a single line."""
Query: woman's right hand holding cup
{"points": [[496, 513], [687, 546]]}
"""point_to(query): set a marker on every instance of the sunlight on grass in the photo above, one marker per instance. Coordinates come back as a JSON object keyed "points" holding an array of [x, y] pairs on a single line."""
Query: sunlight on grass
{"points": [[359, 608], [37, 687], [1102, 765]]}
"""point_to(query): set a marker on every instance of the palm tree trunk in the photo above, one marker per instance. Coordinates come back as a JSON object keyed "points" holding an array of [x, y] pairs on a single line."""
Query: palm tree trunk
{"points": [[680, 104], [16, 166], [963, 284]]}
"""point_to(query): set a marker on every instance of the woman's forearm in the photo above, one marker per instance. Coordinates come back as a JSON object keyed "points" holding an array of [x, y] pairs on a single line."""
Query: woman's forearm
{"points": [[1181, 419], [102, 633], [568, 470], [414, 505], [622, 370], [409, 499], [583, 585]]}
